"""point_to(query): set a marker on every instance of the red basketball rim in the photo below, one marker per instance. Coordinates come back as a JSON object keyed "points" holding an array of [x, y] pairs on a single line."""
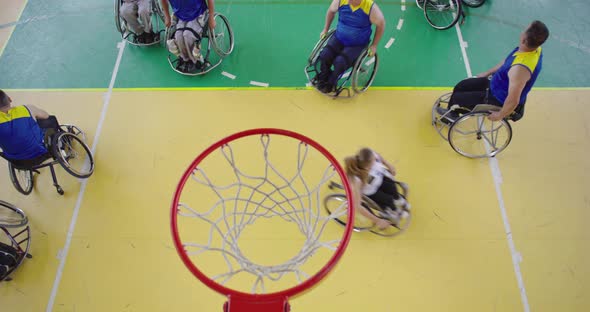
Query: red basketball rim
{"points": [[280, 295]]}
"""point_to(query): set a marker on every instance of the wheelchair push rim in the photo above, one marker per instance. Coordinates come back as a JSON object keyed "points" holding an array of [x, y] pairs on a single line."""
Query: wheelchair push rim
{"points": [[442, 14], [73, 155], [365, 67], [22, 179], [473, 3], [473, 135]]}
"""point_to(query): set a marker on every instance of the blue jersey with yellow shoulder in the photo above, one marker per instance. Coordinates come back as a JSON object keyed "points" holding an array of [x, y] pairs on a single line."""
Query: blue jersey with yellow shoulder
{"points": [[354, 24], [532, 61], [20, 136], [188, 10]]}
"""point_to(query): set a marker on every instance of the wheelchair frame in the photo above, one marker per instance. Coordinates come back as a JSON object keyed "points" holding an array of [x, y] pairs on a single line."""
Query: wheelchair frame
{"points": [[397, 226], [64, 130], [129, 35], [207, 33], [351, 74]]}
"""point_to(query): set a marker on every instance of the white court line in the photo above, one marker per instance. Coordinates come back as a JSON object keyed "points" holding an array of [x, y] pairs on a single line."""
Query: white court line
{"points": [[497, 175], [228, 75], [259, 84], [389, 43], [400, 23], [403, 7], [64, 252]]}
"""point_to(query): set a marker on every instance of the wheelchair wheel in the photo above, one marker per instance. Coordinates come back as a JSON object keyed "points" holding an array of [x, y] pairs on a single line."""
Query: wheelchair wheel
{"points": [[442, 14], [119, 21], [11, 217], [319, 46], [473, 135], [22, 179], [364, 71], [337, 205], [73, 155], [420, 4], [222, 37], [473, 3]]}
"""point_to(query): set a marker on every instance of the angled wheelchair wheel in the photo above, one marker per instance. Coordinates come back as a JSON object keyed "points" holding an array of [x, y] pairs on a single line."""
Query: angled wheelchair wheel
{"points": [[420, 4], [336, 205], [442, 14], [11, 217], [119, 21], [364, 71], [473, 135], [73, 155], [22, 179], [222, 37], [319, 46], [473, 3]]}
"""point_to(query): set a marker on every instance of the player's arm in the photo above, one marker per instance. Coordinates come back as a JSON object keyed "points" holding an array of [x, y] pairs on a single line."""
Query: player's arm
{"points": [[166, 10], [518, 76], [490, 71], [378, 20], [332, 10], [37, 112]]}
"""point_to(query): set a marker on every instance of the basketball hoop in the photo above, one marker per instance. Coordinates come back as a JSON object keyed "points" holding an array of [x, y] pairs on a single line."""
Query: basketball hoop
{"points": [[219, 221]]}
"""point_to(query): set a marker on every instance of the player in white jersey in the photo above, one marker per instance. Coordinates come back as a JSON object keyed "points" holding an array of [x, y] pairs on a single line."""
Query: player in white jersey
{"points": [[373, 176]]}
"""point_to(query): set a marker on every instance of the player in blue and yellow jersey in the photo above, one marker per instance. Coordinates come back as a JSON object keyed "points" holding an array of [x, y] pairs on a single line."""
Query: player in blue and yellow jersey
{"points": [[21, 137], [511, 80], [186, 43], [353, 35]]}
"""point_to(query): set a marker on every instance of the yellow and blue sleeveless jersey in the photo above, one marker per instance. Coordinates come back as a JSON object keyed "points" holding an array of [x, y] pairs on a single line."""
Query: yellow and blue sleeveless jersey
{"points": [[533, 61], [20, 135], [188, 10], [354, 25]]}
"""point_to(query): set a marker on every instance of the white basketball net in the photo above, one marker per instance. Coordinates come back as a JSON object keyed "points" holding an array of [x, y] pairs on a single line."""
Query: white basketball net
{"points": [[304, 209]]}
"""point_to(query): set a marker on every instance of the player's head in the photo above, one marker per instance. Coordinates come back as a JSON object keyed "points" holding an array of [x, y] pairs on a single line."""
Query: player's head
{"points": [[359, 164], [4, 99], [534, 35]]}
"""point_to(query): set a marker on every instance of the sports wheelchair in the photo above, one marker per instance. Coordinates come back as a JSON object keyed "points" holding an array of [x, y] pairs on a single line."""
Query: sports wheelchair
{"points": [[334, 204], [15, 239], [65, 145], [220, 39], [472, 134], [358, 78], [157, 19]]}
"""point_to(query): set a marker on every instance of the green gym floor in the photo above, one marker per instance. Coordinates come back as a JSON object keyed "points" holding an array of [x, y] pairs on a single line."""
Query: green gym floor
{"points": [[507, 234]]}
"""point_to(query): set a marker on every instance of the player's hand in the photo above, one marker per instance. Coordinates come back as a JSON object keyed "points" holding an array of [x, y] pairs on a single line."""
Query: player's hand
{"points": [[323, 34], [212, 23], [167, 21], [382, 224], [495, 116], [372, 50]]}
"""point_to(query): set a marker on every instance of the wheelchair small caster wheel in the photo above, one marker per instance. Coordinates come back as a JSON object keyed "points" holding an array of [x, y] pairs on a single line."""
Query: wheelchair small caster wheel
{"points": [[60, 191], [29, 256]]}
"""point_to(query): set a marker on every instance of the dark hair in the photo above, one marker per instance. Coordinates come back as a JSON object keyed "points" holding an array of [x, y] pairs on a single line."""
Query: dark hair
{"points": [[536, 34], [4, 99]]}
